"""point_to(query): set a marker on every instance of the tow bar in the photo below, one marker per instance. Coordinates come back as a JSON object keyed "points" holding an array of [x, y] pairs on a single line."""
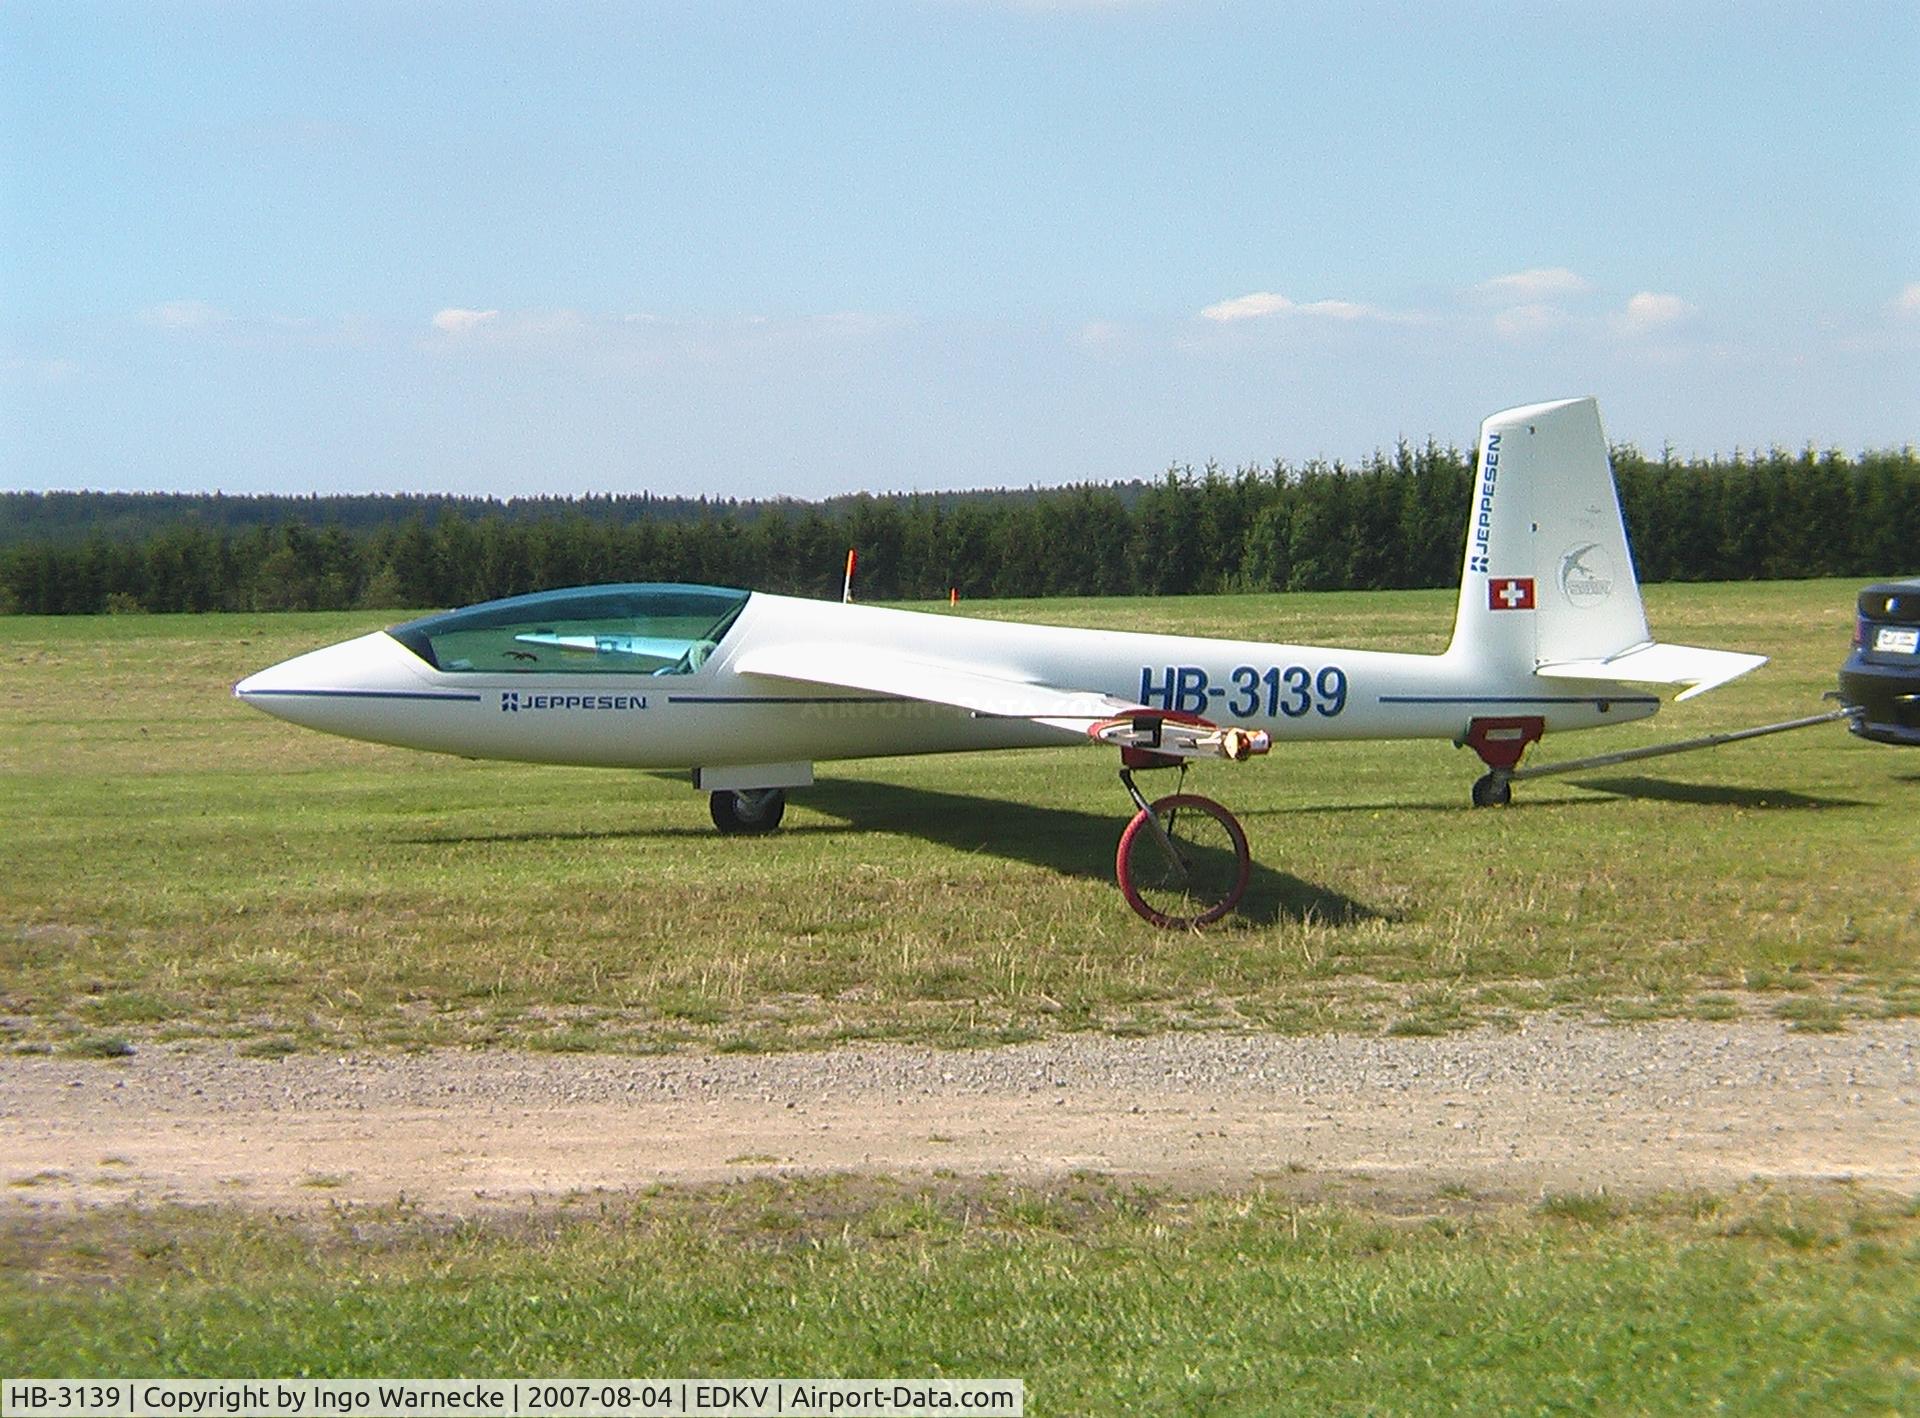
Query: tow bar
{"points": [[1500, 777]]}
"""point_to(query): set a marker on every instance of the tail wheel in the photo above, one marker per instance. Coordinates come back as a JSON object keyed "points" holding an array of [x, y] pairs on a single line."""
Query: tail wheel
{"points": [[1492, 790], [749, 813], [1183, 862]]}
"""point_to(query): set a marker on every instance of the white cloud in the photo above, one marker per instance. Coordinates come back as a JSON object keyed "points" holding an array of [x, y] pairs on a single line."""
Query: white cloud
{"points": [[1248, 307], [1520, 322], [1908, 301], [1343, 310], [1263, 304], [1530, 287], [455, 321], [185, 315], [1652, 310]]}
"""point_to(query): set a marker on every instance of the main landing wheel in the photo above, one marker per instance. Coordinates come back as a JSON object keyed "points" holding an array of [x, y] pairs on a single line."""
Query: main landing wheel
{"points": [[1492, 790], [1183, 862], [749, 813]]}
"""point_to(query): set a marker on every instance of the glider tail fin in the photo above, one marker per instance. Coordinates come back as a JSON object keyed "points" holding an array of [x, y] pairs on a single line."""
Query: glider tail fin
{"points": [[1548, 574], [1548, 583]]}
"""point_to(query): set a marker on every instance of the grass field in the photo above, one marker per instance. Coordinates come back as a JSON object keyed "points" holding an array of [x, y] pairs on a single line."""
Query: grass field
{"points": [[177, 865], [180, 867], [1104, 1299]]}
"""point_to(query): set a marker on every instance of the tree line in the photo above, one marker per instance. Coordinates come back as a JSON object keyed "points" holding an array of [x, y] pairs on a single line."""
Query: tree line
{"points": [[1395, 520], [71, 517]]}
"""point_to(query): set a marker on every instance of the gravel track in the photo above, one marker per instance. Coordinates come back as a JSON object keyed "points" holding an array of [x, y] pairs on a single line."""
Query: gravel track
{"points": [[1557, 1105]]}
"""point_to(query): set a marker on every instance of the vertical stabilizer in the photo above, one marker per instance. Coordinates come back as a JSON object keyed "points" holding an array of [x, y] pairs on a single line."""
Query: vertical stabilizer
{"points": [[1548, 574]]}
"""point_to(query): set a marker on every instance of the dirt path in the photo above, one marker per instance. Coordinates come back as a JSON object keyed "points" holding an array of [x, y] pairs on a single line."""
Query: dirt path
{"points": [[1556, 1106]]}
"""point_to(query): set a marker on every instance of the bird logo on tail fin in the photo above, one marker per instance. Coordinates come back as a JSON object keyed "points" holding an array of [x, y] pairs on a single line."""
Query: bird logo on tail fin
{"points": [[1586, 575]]}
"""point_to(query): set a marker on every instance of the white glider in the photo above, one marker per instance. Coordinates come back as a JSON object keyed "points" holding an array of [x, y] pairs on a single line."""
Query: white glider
{"points": [[749, 690]]}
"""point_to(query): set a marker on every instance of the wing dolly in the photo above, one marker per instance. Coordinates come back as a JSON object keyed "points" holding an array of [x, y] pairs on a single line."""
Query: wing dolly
{"points": [[1183, 860]]}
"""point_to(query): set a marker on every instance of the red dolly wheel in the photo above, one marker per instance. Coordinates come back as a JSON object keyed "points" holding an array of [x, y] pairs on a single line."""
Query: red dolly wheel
{"points": [[1183, 862]]}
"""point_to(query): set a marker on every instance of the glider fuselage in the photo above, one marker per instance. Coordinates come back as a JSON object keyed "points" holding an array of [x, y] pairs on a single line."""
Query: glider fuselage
{"points": [[376, 688]]}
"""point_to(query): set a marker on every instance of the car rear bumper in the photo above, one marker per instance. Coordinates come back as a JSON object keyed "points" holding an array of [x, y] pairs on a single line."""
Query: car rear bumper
{"points": [[1889, 698]]}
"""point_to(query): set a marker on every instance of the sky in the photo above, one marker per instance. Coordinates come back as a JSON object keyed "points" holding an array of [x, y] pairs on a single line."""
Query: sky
{"points": [[798, 249]]}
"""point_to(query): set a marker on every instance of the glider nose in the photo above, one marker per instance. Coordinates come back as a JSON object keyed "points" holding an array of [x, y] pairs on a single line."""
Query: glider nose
{"points": [[258, 688], [337, 688]]}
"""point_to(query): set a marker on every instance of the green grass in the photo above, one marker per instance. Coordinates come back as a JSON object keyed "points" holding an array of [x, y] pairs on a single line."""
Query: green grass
{"points": [[1103, 1298], [180, 866]]}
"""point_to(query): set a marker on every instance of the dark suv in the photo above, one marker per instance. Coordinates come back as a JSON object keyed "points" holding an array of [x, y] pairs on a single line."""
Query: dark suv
{"points": [[1882, 675]]}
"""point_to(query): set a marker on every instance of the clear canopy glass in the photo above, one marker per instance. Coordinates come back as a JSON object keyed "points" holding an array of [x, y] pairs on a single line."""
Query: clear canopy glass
{"points": [[640, 629]]}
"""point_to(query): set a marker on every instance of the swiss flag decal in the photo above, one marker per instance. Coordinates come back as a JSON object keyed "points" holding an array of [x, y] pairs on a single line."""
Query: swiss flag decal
{"points": [[1510, 593]]}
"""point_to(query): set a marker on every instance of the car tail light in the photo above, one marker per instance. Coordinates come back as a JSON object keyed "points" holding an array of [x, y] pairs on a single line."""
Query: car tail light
{"points": [[1859, 632]]}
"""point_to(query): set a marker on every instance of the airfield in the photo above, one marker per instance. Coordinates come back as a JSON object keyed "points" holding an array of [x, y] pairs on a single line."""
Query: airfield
{"points": [[290, 1020]]}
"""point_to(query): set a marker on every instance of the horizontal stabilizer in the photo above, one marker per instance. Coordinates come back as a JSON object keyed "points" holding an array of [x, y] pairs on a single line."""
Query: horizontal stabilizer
{"points": [[1654, 663], [908, 677]]}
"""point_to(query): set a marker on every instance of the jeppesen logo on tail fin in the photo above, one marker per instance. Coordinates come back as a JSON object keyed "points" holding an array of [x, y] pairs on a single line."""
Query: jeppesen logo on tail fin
{"points": [[1477, 552]]}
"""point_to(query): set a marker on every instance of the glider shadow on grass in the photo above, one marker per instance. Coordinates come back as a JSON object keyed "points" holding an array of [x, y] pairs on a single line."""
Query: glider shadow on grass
{"points": [[1077, 844], [1060, 839], [689, 833], [1711, 794], [1612, 790]]}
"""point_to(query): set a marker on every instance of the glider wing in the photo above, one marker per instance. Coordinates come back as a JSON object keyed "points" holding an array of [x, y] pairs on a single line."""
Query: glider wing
{"points": [[908, 677], [1156, 735]]}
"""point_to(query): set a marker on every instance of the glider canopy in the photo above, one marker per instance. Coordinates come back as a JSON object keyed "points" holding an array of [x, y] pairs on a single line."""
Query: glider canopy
{"points": [[631, 629]]}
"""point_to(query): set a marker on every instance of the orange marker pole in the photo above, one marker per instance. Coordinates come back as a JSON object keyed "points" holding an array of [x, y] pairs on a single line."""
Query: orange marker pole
{"points": [[953, 596], [846, 590]]}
